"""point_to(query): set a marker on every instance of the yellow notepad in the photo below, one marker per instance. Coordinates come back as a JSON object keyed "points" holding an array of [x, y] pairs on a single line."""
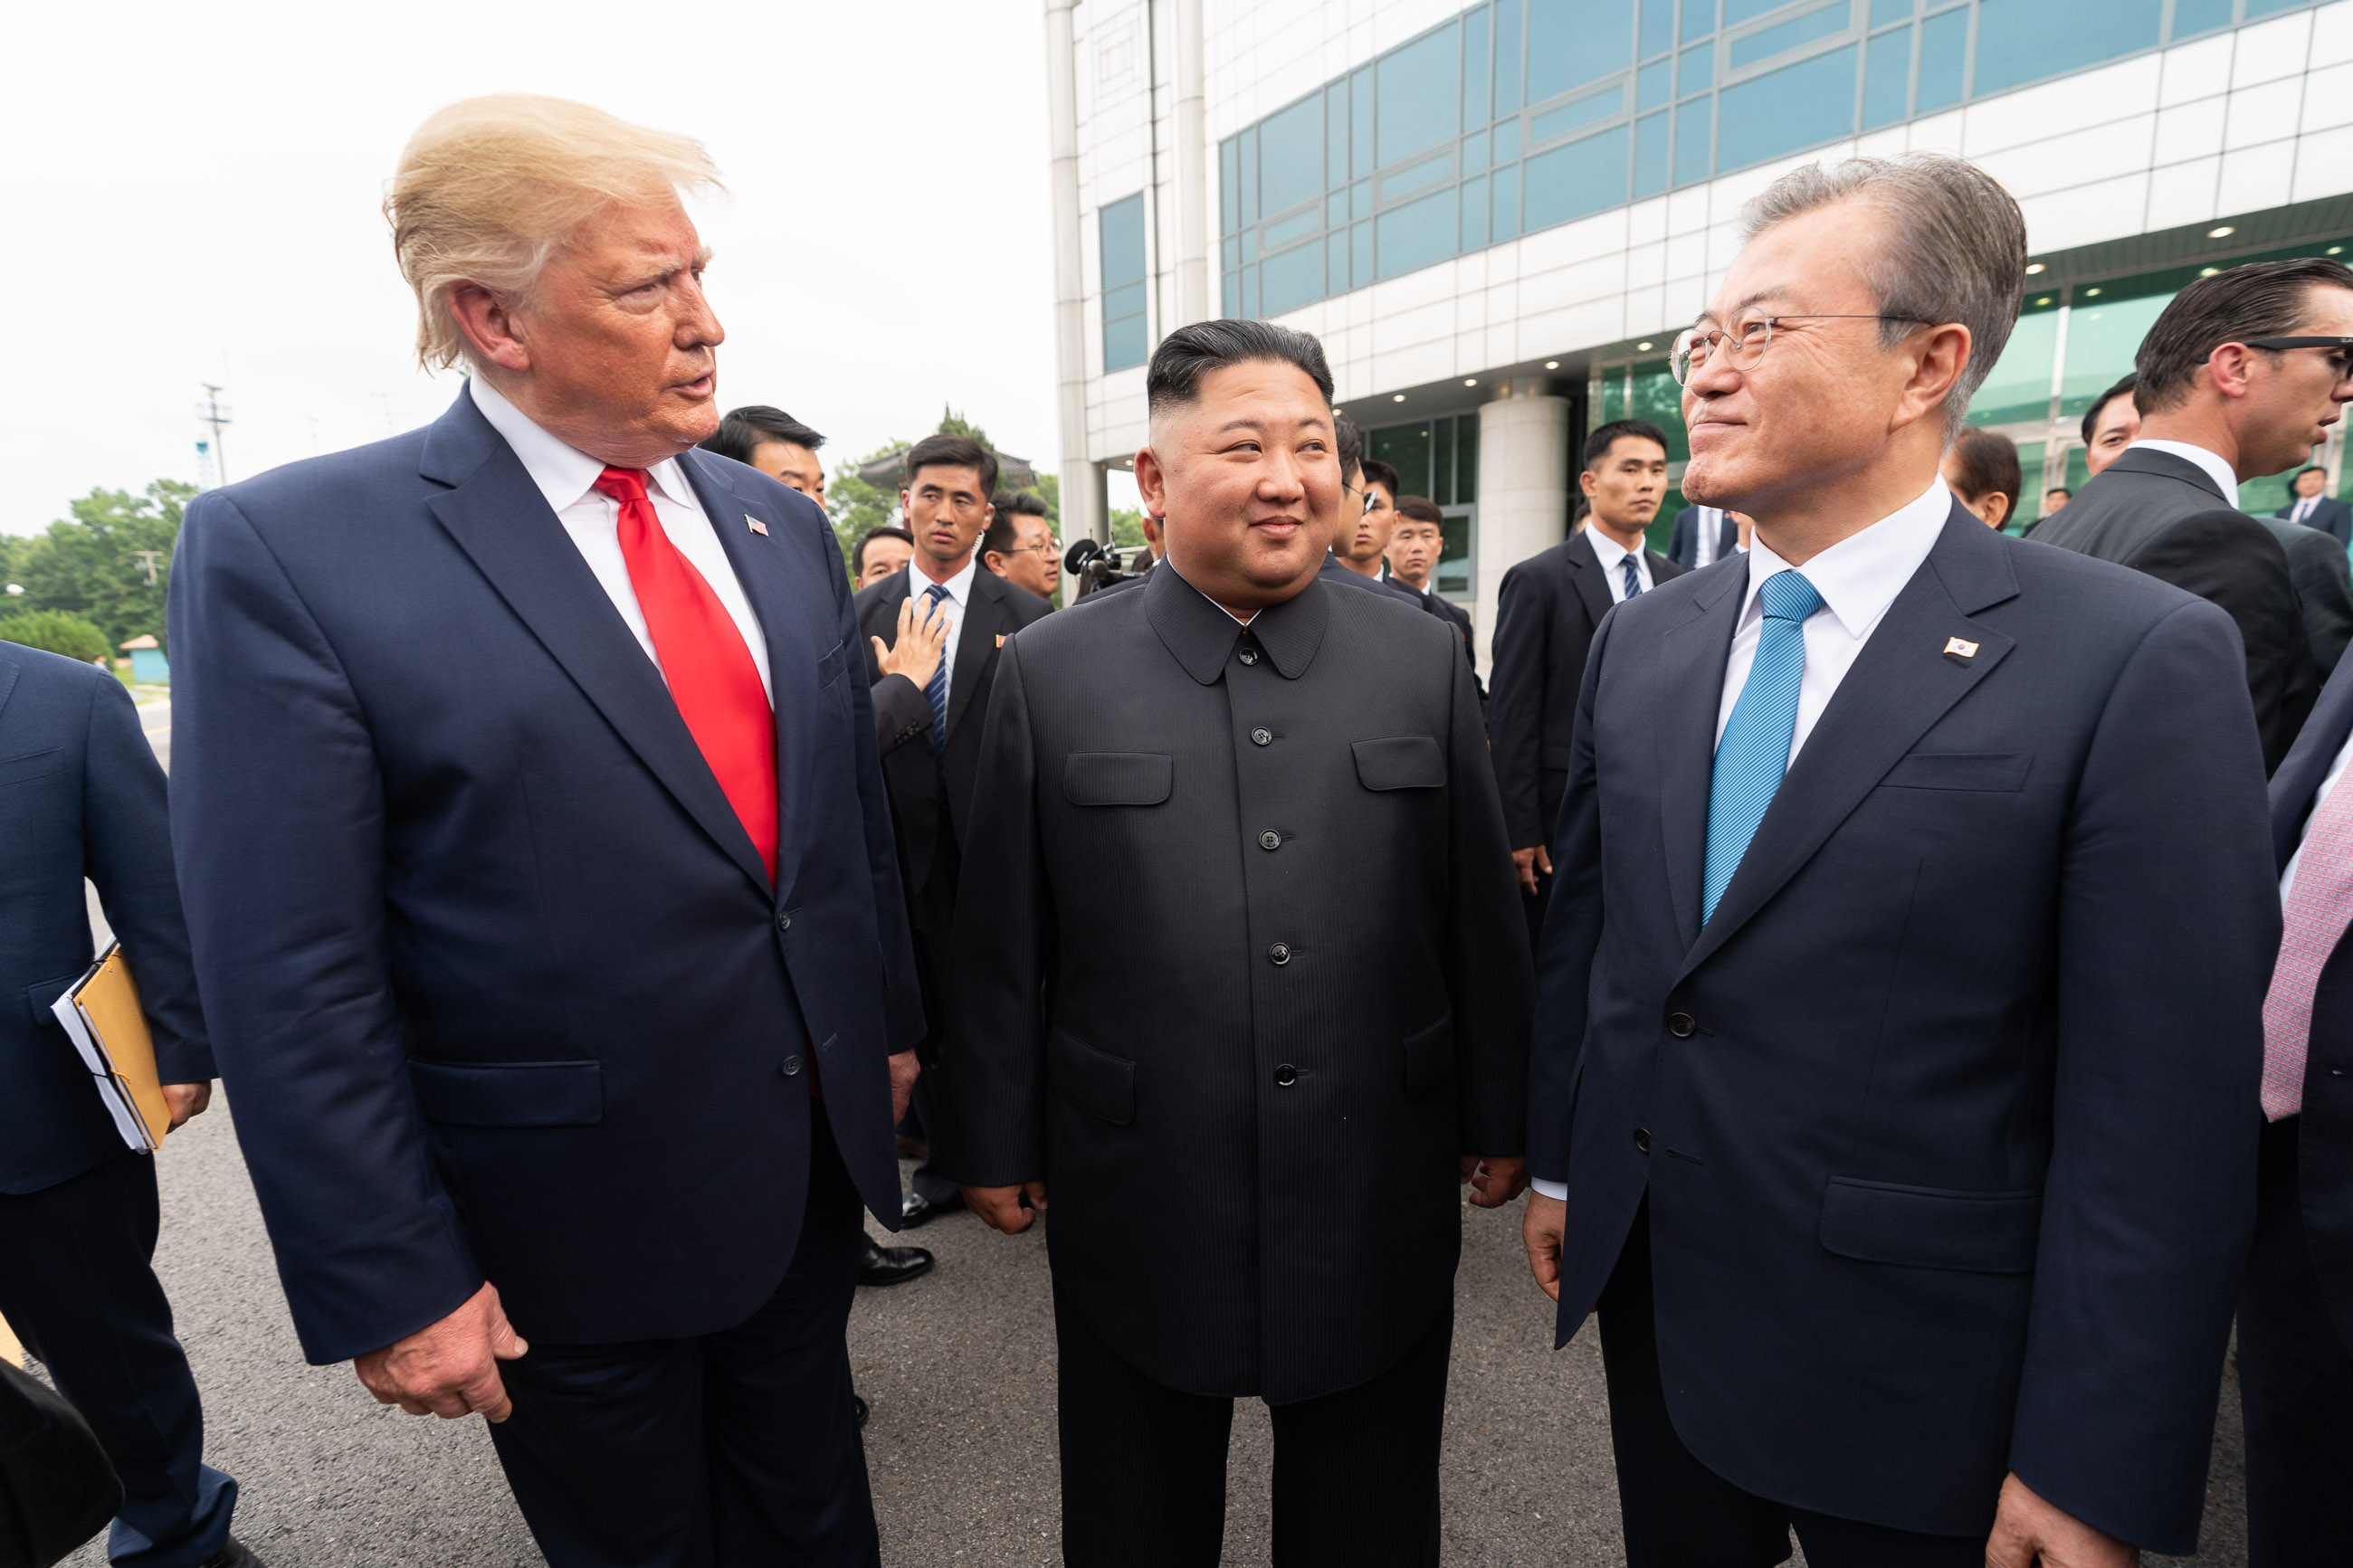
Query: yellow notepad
{"points": [[101, 1013]]}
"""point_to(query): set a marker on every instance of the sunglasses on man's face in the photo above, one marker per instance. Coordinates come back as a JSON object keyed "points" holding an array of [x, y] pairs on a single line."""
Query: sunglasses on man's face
{"points": [[2343, 345]]}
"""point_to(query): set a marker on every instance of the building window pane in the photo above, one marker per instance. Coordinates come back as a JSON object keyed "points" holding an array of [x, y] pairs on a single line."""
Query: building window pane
{"points": [[1335, 210], [1336, 135], [1250, 292], [1360, 199], [1120, 235], [1360, 255], [1291, 156], [2263, 8], [1798, 106], [1507, 142], [1416, 107], [1455, 542], [2102, 340], [1233, 248], [1475, 153], [1275, 235], [1230, 300], [1408, 181], [1944, 50], [1803, 28], [1360, 124], [2200, 16], [1290, 278], [1886, 78], [1650, 154], [1406, 449], [1249, 175], [1336, 262], [2022, 40], [2017, 388], [1698, 69], [1414, 236], [1477, 72], [1699, 18], [1474, 212], [1885, 11], [1249, 245], [1654, 84], [1507, 56], [1658, 399], [1504, 203], [1230, 184], [1124, 343], [1582, 177], [1125, 300], [1570, 116], [1693, 128], [1658, 26], [1738, 11], [1441, 462], [1572, 42], [1466, 459]]}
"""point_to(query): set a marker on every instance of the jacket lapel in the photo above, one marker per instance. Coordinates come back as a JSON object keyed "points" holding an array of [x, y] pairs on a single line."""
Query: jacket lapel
{"points": [[1584, 575], [1690, 674], [2300, 772], [1902, 683], [976, 658], [499, 519]]}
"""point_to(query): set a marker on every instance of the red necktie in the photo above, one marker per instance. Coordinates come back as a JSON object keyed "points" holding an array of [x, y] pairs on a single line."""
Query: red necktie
{"points": [[711, 677]]}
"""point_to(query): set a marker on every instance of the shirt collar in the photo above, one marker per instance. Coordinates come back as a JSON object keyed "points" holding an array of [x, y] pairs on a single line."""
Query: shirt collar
{"points": [[1202, 633], [563, 473], [2225, 481], [959, 586], [1606, 549], [1860, 575]]}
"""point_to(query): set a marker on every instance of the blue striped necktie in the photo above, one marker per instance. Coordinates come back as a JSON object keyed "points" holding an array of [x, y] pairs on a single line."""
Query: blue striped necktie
{"points": [[937, 689], [1754, 750], [1633, 574]]}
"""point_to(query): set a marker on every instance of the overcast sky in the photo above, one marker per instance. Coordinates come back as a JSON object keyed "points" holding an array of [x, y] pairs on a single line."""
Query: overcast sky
{"points": [[193, 195]]}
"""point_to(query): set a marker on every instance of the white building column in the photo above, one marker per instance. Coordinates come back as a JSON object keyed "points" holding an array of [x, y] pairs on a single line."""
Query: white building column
{"points": [[1523, 489]]}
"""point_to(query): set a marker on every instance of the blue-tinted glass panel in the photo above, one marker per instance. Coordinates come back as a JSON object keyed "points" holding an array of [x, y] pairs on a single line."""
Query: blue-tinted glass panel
{"points": [[1738, 11], [1229, 299], [1127, 300], [1803, 28], [1230, 184], [1504, 203], [1944, 51], [1250, 292], [2200, 16], [1335, 263], [1478, 71], [1802, 105], [1360, 124], [1249, 245], [1885, 11], [1570, 116], [1696, 70], [1658, 26], [1291, 156], [1290, 280], [1336, 135], [1412, 237], [1650, 154], [1335, 210], [1507, 142], [1570, 182], [1475, 153], [1693, 123], [1124, 343], [1360, 199], [1572, 42], [1507, 56], [1886, 78], [2265, 7], [1298, 226], [1360, 253], [1249, 176], [1699, 18], [2022, 40], [1232, 246], [1427, 173], [1416, 106], [1122, 222], [1654, 84], [1474, 212]]}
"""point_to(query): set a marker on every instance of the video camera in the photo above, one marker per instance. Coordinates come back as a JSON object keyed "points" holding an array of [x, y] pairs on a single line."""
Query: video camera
{"points": [[1095, 567]]}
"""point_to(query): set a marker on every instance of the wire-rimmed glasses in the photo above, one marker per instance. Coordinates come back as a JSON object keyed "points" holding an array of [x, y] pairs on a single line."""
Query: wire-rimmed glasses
{"points": [[1749, 339]]}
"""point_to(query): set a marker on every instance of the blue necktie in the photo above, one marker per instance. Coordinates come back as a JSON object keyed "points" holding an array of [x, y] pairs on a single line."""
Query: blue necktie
{"points": [[1754, 750], [1633, 575], [937, 689]]}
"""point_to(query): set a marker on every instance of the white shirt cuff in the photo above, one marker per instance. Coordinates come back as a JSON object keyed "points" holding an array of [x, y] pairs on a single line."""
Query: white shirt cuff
{"points": [[1557, 1191]]}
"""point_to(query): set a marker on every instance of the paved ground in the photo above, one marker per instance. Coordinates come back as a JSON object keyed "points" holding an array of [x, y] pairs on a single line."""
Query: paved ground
{"points": [[960, 1369]]}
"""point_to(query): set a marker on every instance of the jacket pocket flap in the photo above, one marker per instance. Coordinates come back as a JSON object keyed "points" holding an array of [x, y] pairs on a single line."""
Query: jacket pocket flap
{"points": [[1960, 769], [1430, 1057], [1116, 778], [830, 665], [508, 1094], [1932, 1227], [1095, 1081], [43, 995], [31, 766], [1400, 761]]}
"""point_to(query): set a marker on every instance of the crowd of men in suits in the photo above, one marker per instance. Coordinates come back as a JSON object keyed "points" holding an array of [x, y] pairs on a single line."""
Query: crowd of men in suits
{"points": [[1868, 932]]}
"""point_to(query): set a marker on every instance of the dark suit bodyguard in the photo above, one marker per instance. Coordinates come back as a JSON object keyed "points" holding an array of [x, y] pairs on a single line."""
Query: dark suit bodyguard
{"points": [[1894, 1115], [539, 873], [1275, 791]]}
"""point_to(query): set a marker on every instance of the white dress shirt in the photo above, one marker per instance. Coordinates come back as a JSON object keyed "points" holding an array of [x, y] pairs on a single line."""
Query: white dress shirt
{"points": [[1711, 530], [568, 477], [959, 589], [2216, 468], [2302, 507], [1610, 553], [2328, 784]]}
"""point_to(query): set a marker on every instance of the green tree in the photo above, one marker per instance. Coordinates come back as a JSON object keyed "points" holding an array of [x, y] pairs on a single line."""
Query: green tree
{"points": [[110, 561], [13, 548], [57, 633]]}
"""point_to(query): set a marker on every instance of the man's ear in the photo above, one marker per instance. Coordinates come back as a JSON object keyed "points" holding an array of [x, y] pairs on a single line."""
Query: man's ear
{"points": [[489, 325], [1152, 482]]}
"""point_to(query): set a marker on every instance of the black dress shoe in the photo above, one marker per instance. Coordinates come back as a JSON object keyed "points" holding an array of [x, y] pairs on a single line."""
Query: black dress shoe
{"points": [[917, 1209], [858, 1411], [234, 1554], [892, 1265]]}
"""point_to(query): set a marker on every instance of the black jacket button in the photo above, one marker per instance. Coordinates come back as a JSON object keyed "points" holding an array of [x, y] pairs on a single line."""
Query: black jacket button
{"points": [[1261, 737], [1278, 953], [1286, 1074], [789, 1067], [784, 920], [1643, 1138], [1682, 1026], [1248, 655], [1269, 839]]}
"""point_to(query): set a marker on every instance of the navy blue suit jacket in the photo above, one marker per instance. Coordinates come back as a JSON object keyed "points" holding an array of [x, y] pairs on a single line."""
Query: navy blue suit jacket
{"points": [[80, 796], [1682, 540], [2332, 517], [1945, 1118], [498, 983]]}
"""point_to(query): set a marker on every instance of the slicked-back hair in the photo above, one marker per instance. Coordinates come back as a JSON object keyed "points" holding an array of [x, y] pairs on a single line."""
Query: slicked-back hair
{"points": [[952, 452], [1347, 444], [1004, 533], [1422, 509], [858, 551], [2315, 468], [2099, 404], [1988, 465], [1379, 473], [1598, 445], [1185, 356], [1955, 250], [741, 433], [2260, 299]]}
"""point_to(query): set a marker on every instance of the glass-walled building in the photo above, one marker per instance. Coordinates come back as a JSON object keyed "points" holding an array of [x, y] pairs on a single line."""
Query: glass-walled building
{"points": [[1497, 217]]}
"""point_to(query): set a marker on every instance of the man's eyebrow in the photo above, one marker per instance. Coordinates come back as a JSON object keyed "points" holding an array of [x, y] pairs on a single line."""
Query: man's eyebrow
{"points": [[1759, 296]]}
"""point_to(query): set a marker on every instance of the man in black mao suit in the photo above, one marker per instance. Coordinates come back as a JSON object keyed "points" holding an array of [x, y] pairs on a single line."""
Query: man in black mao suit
{"points": [[949, 481], [1545, 615], [1276, 787], [2315, 507], [2221, 401]]}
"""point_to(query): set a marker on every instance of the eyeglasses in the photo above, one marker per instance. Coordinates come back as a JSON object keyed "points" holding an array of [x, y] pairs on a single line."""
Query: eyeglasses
{"points": [[1365, 496], [1749, 338], [1045, 545], [2344, 347]]}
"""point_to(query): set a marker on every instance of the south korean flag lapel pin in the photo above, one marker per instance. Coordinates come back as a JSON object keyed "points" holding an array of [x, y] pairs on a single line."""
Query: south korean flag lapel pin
{"points": [[1960, 650], [755, 525]]}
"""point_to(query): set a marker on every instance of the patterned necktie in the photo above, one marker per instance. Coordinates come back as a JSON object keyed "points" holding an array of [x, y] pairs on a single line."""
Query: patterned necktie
{"points": [[1754, 750], [1633, 575], [2319, 906], [703, 657], [937, 689]]}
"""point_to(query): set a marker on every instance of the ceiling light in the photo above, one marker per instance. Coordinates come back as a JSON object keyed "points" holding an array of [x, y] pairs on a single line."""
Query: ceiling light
{"points": [[2032, 268], [1469, 380], [1642, 348], [2045, 301], [2090, 293], [2208, 271], [2335, 250], [1555, 364], [1397, 397], [2220, 231]]}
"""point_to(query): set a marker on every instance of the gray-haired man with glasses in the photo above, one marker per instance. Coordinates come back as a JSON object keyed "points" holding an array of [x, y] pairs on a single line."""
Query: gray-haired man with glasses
{"points": [[1902, 990]]}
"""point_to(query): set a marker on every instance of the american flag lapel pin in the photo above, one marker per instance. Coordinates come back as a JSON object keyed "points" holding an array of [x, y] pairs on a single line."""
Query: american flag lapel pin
{"points": [[1958, 648], [755, 525]]}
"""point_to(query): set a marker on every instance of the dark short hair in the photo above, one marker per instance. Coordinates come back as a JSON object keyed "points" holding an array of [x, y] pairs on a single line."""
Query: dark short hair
{"points": [[1191, 353], [1422, 509], [742, 431], [858, 552], [2058, 491], [1987, 462], [1004, 531], [2315, 468], [1598, 445], [1347, 443], [2260, 299], [1379, 473], [2123, 388], [952, 452]]}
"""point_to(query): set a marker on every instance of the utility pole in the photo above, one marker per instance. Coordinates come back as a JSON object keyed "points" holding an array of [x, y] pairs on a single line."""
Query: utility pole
{"points": [[148, 558], [211, 412]]}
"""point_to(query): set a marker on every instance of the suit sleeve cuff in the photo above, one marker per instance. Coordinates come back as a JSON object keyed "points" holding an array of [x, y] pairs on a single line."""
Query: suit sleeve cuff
{"points": [[1557, 1191]]}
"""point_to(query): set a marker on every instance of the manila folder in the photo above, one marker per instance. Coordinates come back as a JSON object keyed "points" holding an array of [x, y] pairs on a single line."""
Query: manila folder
{"points": [[100, 1011]]}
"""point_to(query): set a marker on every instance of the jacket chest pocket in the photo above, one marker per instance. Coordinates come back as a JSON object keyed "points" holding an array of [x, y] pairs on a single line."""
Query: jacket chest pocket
{"points": [[1117, 778], [31, 766], [1991, 772], [1400, 761]]}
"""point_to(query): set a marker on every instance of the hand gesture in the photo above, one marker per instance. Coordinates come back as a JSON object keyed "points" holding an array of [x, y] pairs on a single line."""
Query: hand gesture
{"points": [[450, 1368], [2028, 1530], [922, 636], [1002, 1208]]}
